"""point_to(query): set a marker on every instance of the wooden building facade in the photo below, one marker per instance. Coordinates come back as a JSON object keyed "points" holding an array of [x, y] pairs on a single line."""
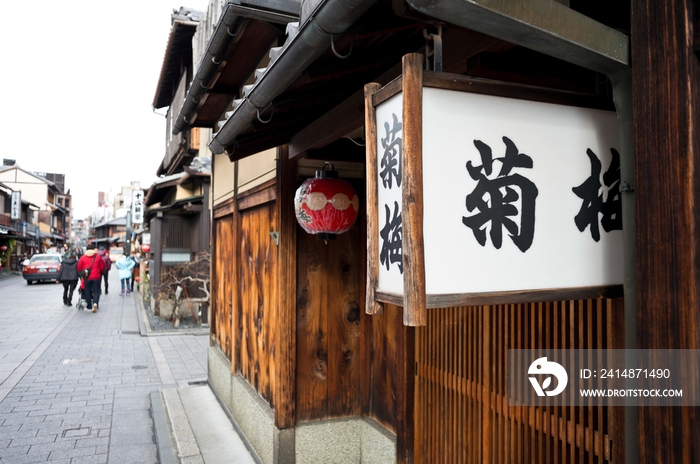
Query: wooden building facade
{"points": [[305, 372], [178, 214]]}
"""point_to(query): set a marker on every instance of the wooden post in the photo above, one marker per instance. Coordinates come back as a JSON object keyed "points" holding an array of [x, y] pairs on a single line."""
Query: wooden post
{"points": [[372, 306], [412, 185], [235, 298], [405, 392], [285, 401], [666, 98]]}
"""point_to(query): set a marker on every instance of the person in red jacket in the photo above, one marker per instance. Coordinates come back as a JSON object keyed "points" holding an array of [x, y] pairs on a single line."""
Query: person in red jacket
{"points": [[92, 261]]}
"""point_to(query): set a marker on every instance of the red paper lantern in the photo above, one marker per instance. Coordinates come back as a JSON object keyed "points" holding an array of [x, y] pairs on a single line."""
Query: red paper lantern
{"points": [[325, 205], [3, 247], [146, 248]]}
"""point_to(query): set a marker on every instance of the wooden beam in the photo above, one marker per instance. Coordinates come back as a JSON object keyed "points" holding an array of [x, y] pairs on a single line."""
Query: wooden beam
{"points": [[339, 121], [666, 98], [541, 25], [344, 118], [412, 185]]}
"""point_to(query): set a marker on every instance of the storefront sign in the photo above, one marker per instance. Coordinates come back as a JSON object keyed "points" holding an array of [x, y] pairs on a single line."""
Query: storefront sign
{"points": [[16, 205], [493, 199], [137, 207]]}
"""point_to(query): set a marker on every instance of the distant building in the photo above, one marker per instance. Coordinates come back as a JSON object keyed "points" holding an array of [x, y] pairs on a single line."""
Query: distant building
{"points": [[54, 205]]}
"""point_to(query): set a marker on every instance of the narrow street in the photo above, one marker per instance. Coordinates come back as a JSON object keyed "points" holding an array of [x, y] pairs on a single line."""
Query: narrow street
{"points": [[75, 386]]}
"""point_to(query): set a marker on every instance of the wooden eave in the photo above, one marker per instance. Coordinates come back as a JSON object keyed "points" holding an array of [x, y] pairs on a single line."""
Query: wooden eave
{"points": [[379, 39], [189, 205], [160, 188], [250, 46], [178, 56]]}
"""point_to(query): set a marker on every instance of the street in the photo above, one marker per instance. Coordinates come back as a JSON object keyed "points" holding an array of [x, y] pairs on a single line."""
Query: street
{"points": [[75, 386]]}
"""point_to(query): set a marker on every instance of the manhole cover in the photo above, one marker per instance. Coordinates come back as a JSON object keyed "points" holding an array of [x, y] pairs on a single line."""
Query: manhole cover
{"points": [[76, 360]]}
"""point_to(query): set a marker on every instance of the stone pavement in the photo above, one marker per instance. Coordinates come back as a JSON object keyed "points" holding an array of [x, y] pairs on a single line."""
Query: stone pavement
{"points": [[78, 387]]}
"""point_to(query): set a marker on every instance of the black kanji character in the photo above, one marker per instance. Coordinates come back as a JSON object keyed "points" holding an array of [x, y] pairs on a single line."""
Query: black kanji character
{"points": [[590, 192], [496, 199], [391, 160], [392, 234]]}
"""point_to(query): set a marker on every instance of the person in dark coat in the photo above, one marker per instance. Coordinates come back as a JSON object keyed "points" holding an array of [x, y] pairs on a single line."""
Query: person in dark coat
{"points": [[68, 276], [107, 267], [92, 261]]}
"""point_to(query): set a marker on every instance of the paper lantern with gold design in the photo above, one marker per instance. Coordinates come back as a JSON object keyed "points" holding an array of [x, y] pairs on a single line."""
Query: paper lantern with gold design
{"points": [[326, 205]]}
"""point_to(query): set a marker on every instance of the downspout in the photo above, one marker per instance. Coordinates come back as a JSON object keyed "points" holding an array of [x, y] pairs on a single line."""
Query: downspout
{"points": [[221, 39], [331, 18], [622, 95]]}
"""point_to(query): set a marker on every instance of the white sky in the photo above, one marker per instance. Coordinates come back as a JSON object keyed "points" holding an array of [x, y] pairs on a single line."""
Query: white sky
{"points": [[77, 80]]}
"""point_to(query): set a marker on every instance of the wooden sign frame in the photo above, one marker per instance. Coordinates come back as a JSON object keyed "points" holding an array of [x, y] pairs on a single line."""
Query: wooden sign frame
{"points": [[411, 83]]}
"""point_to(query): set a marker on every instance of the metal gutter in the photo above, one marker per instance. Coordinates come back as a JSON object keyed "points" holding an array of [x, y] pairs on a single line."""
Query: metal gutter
{"points": [[221, 39], [219, 46], [331, 18]]}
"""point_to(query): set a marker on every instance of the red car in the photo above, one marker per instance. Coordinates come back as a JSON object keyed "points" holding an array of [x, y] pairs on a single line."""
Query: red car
{"points": [[42, 267]]}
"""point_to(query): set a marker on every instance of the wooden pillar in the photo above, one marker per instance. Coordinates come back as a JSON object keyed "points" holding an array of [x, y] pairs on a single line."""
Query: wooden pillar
{"points": [[285, 412], [371, 305], [412, 178], [666, 86], [405, 392]]}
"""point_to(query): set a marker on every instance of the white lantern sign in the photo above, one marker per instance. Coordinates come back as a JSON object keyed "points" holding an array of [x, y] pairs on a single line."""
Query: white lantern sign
{"points": [[506, 196]]}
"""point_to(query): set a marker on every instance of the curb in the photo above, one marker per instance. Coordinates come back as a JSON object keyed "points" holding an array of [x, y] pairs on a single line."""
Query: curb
{"points": [[161, 431]]}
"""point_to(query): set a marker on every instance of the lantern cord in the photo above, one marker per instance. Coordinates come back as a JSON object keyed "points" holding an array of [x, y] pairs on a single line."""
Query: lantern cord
{"points": [[354, 141]]}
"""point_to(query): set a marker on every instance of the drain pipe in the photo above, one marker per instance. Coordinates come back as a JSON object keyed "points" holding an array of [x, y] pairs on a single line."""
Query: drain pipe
{"points": [[331, 18], [219, 44], [622, 95]]}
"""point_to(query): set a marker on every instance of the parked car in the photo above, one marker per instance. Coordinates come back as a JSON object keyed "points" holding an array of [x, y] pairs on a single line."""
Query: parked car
{"points": [[115, 253], [42, 267]]}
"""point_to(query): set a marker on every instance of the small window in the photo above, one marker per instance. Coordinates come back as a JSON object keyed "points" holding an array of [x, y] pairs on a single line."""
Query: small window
{"points": [[171, 256]]}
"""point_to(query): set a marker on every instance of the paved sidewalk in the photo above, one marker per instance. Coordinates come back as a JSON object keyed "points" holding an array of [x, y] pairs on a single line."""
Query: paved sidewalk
{"points": [[77, 387]]}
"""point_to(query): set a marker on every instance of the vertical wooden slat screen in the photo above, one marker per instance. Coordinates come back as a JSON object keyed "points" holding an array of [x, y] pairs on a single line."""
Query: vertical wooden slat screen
{"points": [[461, 408]]}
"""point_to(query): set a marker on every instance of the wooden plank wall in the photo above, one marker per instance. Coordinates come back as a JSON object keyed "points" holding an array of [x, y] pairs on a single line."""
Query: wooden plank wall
{"points": [[383, 372], [462, 413], [330, 314], [258, 298], [222, 266]]}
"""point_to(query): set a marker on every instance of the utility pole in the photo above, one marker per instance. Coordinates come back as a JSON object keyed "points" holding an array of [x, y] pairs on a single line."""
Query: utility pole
{"points": [[127, 241]]}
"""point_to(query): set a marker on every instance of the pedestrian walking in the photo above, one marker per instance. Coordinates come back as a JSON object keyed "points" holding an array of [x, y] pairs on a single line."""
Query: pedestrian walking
{"points": [[125, 264], [93, 264], [68, 276], [136, 271], [107, 266]]}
